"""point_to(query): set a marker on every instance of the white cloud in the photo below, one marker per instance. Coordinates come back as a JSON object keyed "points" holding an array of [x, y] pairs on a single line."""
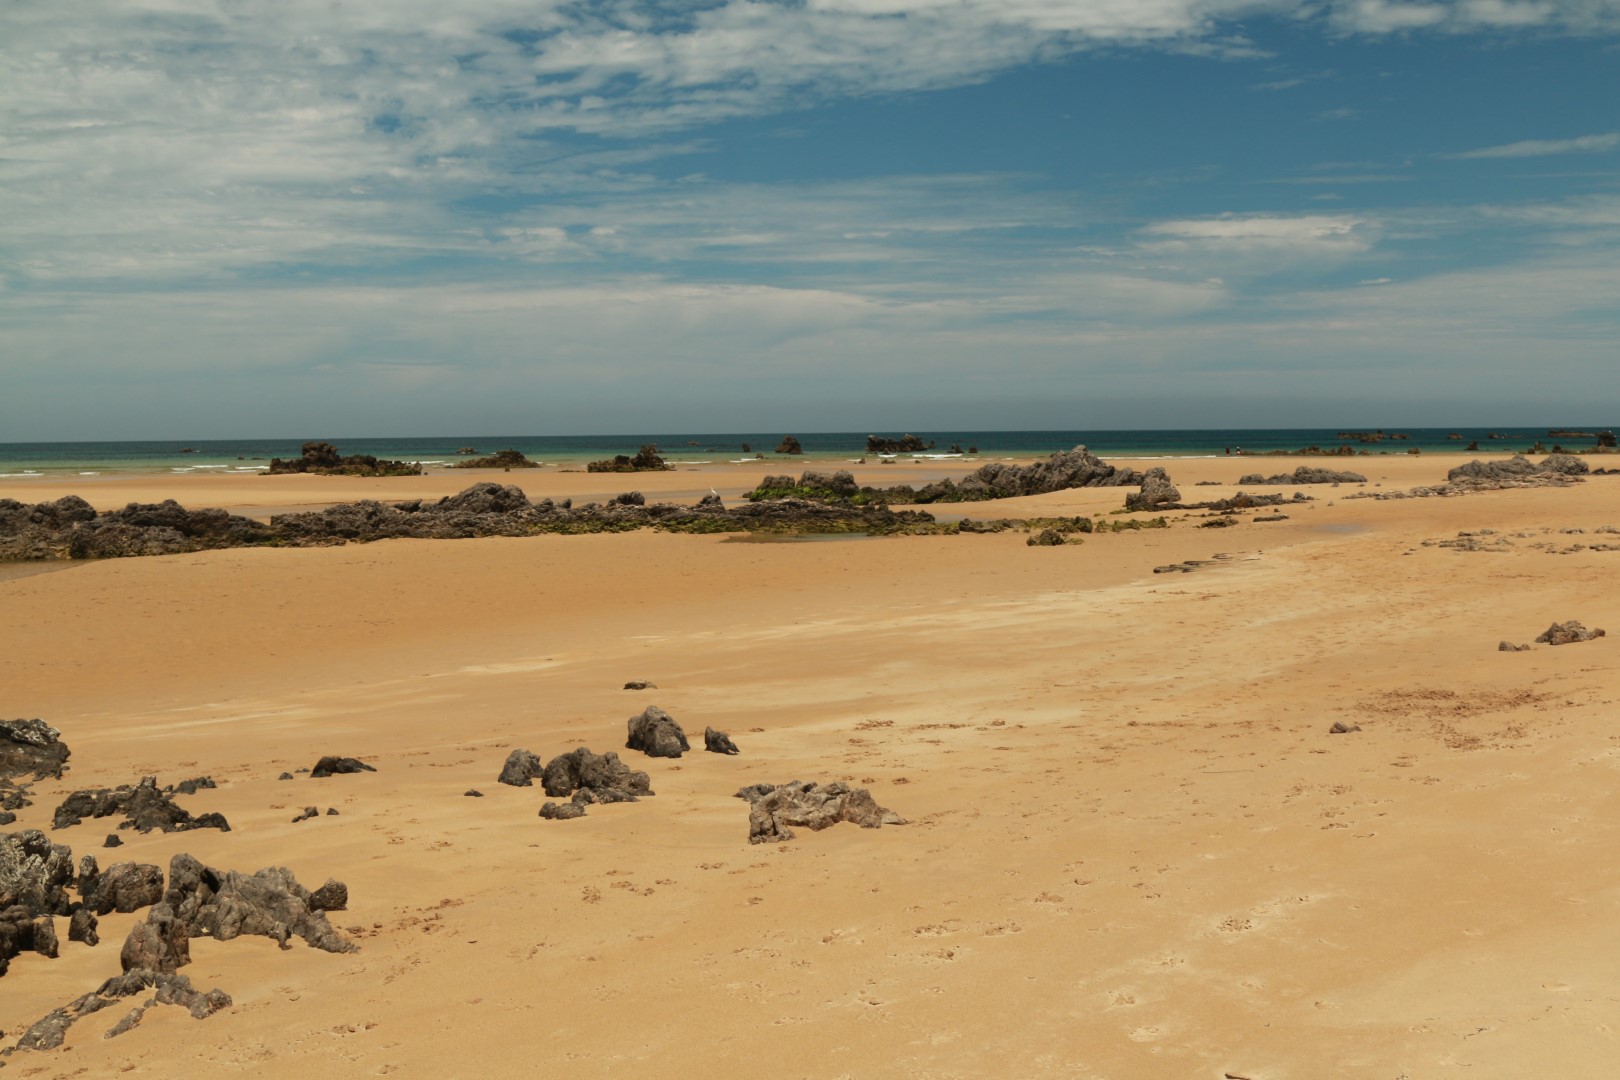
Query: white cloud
{"points": [[1584, 144]]}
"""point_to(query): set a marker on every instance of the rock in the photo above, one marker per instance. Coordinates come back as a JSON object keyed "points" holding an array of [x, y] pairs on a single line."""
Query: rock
{"points": [[322, 458], [473, 793], [113, 840], [562, 811], [520, 769], [268, 903], [333, 896], [145, 807], [718, 742], [285, 776], [123, 888], [1306, 474], [1341, 728], [1508, 646], [789, 445], [45, 940], [35, 874], [1157, 492], [774, 812], [331, 811], [655, 733], [1068, 469], [31, 748], [500, 459], [604, 775], [640, 684], [1046, 538], [906, 444], [162, 943], [333, 766], [82, 927], [645, 460], [1567, 633], [50, 1031], [307, 813]]}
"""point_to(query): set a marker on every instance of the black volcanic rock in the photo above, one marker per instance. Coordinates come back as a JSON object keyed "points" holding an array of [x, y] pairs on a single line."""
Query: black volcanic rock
{"points": [[322, 458], [655, 733], [31, 748], [124, 887], [335, 766], [718, 742], [604, 775], [144, 806], [520, 769]]}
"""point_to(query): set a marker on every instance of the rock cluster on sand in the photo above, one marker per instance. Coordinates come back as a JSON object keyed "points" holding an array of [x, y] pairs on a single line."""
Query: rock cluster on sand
{"points": [[655, 733], [774, 811], [1047, 538], [1306, 474], [645, 460], [335, 766], [589, 778], [35, 876], [1157, 492], [500, 459], [71, 528], [1518, 467], [1568, 633], [144, 806], [323, 459]]}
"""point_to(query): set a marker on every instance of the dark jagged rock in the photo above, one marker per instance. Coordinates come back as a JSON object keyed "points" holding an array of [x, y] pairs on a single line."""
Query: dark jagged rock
{"points": [[82, 927], [718, 742], [1341, 728], [1508, 646], [334, 766], [604, 775], [473, 793], [35, 874], [836, 487], [322, 458], [161, 943], [520, 769], [269, 903], [645, 460], [1519, 467], [1568, 633], [655, 733], [1306, 474], [774, 811], [333, 896], [31, 748], [1047, 538], [500, 459], [51, 1030], [629, 498], [562, 811], [305, 814], [113, 840], [285, 776], [1157, 492], [640, 684], [195, 784], [789, 445], [331, 811], [123, 887], [1075, 468], [906, 444], [45, 940], [145, 807]]}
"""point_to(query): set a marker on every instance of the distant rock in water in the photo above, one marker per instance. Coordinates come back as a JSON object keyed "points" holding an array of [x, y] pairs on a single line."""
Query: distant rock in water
{"points": [[645, 460], [1306, 474], [655, 733], [333, 766], [500, 459], [775, 811], [322, 458], [1568, 633], [789, 445], [906, 444]]}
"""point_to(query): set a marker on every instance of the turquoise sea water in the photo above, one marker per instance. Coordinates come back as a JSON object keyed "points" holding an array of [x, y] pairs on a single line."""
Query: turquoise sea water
{"points": [[22, 460]]}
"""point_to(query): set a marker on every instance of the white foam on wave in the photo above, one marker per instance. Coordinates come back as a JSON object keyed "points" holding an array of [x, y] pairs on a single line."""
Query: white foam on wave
{"points": [[249, 468], [693, 463], [19, 475], [89, 474]]}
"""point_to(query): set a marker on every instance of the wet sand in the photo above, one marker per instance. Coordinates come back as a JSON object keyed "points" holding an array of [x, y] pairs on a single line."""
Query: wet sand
{"points": [[1134, 848]]}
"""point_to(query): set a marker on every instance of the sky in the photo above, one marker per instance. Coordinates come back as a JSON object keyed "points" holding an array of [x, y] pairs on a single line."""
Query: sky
{"points": [[228, 218]]}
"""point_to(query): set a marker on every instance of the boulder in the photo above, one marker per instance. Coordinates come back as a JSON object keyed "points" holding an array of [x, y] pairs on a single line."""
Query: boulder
{"points": [[160, 943], [1046, 538], [268, 903], [333, 896], [789, 445], [562, 811], [1157, 492], [775, 810], [82, 927], [718, 742], [123, 887], [640, 684], [1341, 728], [334, 766], [655, 733], [31, 748], [604, 775], [520, 769], [1568, 633]]}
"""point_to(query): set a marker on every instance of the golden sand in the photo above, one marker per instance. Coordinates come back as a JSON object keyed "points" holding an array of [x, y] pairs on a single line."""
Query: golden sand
{"points": [[1134, 849]]}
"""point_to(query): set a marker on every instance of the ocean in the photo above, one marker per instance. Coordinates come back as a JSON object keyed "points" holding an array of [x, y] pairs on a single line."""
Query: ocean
{"points": [[41, 459]]}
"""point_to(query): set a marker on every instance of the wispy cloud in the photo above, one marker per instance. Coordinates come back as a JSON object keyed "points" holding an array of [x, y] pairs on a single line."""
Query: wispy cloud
{"points": [[1583, 144]]}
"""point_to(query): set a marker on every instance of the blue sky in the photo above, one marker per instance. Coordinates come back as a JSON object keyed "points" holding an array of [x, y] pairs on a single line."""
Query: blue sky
{"points": [[222, 219]]}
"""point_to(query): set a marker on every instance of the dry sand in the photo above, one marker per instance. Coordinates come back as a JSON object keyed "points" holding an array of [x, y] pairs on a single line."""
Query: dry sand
{"points": [[1134, 848]]}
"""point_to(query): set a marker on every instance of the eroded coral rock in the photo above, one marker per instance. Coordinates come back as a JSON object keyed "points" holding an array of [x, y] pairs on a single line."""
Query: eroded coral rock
{"points": [[144, 806], [1568, 633], [655, 733], [774, 811], [718, 742], [520, 769]]}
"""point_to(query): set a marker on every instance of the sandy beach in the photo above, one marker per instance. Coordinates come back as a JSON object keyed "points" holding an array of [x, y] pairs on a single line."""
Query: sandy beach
{"points": [[1134, 849]]}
